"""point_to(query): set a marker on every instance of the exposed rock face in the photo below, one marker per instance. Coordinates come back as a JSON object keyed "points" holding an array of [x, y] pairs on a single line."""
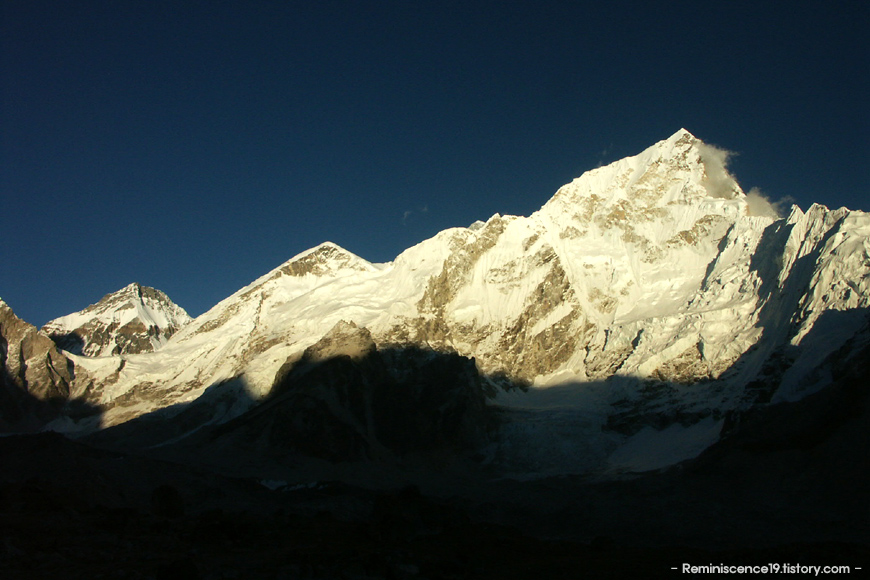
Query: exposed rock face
{"points": [[36, 376], [325, 258], [132, 320]]}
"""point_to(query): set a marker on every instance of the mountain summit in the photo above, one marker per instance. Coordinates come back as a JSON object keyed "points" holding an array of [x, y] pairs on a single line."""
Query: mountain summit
{"points": [[132, 320]]}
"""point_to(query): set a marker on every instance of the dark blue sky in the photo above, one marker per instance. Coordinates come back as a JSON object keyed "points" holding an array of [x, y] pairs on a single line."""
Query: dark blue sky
{"points": [[195, 145]]}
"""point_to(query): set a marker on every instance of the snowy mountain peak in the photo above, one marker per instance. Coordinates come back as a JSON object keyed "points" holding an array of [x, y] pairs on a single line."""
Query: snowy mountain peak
{"points": [[134, 319], [301, 274], [682, 139], [649, 198], [323, 260]]}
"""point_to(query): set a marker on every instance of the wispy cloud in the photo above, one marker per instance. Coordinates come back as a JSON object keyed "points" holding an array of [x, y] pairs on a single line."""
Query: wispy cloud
{"points": [[720, 182], [409, 212], [760, 204], [603, 156]]}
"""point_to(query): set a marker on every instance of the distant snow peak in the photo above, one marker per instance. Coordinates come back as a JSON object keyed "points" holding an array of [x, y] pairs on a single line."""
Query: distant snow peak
{"points": [[132, 320]]}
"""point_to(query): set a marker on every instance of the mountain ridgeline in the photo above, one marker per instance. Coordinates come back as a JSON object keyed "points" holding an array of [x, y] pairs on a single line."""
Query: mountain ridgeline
{"points": [[649, 300]]}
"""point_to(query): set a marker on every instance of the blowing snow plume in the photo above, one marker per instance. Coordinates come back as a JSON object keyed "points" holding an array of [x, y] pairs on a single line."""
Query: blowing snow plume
{"points": [[760, 204], [720, 183]]}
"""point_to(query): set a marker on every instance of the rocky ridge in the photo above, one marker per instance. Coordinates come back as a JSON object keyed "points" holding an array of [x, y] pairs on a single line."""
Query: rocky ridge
{"points": [[36, 377]]}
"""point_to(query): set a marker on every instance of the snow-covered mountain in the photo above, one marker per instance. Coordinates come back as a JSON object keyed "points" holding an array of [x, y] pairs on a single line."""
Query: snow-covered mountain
{"points": [[132, 320], [648, 300]]}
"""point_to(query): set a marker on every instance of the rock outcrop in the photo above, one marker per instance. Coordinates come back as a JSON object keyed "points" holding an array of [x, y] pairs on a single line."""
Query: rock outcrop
{"points": [[35, 377]]}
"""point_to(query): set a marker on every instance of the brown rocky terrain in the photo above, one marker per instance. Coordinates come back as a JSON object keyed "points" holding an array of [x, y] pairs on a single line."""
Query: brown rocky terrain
{"points": [[35, 377]]}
